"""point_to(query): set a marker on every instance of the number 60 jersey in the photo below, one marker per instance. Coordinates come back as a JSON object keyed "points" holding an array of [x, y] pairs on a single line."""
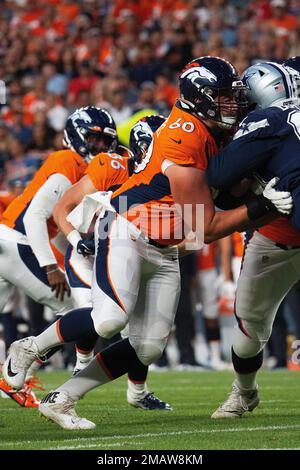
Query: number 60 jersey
{"points": [[145, 199]]}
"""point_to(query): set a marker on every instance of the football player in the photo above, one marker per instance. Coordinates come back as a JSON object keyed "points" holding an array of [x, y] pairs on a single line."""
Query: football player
{"points": [[266, 144], [27, 227], [106, 172], [136, 273]]}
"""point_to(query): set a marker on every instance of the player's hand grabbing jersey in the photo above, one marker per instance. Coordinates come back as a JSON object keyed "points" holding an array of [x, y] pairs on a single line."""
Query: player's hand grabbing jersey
{"points": [[182, 140]]}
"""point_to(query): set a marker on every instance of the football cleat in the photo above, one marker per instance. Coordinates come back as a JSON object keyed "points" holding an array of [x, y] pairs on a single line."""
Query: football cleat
{"points": [[150, 402], [237, 403], [24, 397], [59, 407], [21, 355]]}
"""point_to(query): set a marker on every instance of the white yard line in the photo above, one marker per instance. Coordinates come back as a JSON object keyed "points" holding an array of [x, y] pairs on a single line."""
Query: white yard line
{"points": [[118, 437]]}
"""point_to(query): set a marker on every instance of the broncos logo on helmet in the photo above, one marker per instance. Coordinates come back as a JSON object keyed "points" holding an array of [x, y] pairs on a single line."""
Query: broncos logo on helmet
{"points": [[142, 133], [89, 131]]}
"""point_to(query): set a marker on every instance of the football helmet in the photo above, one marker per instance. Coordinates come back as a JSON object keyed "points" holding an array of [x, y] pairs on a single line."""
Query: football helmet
{"points": [[210, 88], [268, 84], [293, 62], [142, 133], [89, 131]]}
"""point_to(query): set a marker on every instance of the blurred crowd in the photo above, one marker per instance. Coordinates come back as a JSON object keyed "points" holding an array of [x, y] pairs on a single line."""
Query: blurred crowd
{"points": [[57, 55], [125, 56]]}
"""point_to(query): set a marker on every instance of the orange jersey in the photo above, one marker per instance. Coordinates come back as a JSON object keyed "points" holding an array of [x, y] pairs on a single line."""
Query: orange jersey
{"points": [[5, 199], [238, 244], [183, 140], [65, 162], [207, 257], [108, 171]]}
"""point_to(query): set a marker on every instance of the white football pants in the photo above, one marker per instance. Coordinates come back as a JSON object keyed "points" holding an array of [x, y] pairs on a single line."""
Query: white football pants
{"points": [[19, 267], [268, 273], [134, 282]]}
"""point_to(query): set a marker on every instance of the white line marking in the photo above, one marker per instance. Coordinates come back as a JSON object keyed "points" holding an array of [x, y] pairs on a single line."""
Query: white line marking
{"points": [[160, 434]]}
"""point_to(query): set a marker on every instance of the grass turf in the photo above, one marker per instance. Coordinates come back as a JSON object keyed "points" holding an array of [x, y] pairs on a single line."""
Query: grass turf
{"points": [[193, 395]]}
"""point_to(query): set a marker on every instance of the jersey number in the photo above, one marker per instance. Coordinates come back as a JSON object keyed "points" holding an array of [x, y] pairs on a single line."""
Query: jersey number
{"points": [[115, 163], [186, 126], [294, 121]]}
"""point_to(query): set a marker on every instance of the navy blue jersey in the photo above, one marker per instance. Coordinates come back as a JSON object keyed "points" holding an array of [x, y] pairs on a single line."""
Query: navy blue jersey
{"points": [[267, 143]]}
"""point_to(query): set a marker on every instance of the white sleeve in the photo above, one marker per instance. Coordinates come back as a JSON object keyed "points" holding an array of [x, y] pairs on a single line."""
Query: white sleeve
{"points": [[39, 211], [166, 164]]}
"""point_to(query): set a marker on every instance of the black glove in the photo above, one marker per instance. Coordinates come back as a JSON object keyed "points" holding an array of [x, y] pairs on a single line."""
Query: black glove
{"points": [[259, 207], [86, 247]]}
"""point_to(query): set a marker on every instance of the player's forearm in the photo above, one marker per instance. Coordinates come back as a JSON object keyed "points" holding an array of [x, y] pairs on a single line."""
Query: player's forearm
{"points": [[60, 214], [37, 235], [225, 223]]}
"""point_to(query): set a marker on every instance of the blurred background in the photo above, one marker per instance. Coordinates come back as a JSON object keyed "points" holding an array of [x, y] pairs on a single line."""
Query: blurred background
{"points": [[125, 55]]}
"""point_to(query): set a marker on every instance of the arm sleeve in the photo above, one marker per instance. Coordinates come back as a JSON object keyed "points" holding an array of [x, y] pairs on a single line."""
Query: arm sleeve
{"points": [[238, 160], [37, 214], [252, 145]]}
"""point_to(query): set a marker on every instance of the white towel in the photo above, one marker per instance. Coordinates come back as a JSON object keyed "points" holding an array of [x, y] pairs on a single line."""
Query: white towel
{"points": [[91, 205]]}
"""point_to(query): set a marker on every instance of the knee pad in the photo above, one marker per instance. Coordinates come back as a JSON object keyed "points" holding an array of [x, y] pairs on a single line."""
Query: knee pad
{"points": [[148, 351], [109, 328], [250, 344]]}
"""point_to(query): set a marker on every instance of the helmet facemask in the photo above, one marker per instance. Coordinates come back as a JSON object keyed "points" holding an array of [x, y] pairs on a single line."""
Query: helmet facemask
{"points": [[225, 106], [98, 141]]}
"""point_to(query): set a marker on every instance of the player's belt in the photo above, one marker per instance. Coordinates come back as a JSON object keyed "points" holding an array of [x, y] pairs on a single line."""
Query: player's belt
{"points": [[152, 242], [156, 244], [287, 247]]}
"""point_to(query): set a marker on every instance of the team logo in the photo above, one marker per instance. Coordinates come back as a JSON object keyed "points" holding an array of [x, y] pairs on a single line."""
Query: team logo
{"points": [[195, 72]]}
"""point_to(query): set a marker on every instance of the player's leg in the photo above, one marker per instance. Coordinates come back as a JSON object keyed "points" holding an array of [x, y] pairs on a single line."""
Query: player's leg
{"points": [[153, 317], [115, 289], [207, 281], [26, 274], [118, 358], [267, 275], [79, 272]]}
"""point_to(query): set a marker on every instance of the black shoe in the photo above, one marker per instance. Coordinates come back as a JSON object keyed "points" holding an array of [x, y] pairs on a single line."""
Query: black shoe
{"points": [[151, 402]]}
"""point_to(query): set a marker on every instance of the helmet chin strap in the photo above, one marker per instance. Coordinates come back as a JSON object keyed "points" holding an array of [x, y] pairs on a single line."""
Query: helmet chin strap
{"points": [[88, 158]]}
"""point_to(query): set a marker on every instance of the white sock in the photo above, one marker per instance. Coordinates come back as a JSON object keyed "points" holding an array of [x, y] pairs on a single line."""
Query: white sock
{"points": [[91, 377], [49, 338], [246, 382], [136, 391], [215, 351], [82, 360], [84, 357]]}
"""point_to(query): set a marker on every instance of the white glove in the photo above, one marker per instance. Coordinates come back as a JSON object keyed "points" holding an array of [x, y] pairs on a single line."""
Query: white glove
{"points": [[282, 200]]}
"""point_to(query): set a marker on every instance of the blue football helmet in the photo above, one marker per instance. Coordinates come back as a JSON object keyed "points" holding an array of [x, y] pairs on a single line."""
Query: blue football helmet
{"points": [[89, 131], [210, 88], [142, 133], [293, 62]]}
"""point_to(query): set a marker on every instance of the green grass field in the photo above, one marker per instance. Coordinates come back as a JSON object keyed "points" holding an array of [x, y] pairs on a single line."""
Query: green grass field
{"points": [[193, 395]]}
